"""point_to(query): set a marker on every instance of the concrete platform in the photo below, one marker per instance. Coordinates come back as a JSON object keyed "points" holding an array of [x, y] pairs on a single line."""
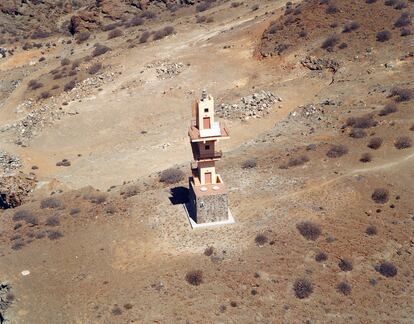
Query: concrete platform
{"points": [[194, 225]]}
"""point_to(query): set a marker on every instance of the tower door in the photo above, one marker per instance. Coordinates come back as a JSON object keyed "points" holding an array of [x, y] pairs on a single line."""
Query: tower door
{"points": [[208, 177], [206, 123]]}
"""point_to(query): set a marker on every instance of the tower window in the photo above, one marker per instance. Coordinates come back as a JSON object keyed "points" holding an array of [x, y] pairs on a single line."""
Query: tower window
{"points": [[207, 147], [206, 110]]}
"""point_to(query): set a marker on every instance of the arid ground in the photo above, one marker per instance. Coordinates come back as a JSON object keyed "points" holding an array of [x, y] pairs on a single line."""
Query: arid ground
{"points": [[94, 116]]}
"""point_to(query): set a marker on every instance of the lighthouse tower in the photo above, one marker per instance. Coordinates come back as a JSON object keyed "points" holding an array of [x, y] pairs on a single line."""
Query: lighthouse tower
{"points": [[208, 195]]}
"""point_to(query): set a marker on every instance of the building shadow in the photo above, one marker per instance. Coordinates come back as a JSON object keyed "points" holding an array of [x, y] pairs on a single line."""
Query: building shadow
{"points": [[179, 195]]}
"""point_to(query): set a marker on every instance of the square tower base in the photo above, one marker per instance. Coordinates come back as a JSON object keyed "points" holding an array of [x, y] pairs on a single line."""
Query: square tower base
{"points": [[209, 206]]}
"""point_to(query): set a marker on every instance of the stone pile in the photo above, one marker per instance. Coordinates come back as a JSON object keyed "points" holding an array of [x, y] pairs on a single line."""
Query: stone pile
{"points": [[15, 189], [255, 106], [8, 163], [50, 110], [167, 71]]}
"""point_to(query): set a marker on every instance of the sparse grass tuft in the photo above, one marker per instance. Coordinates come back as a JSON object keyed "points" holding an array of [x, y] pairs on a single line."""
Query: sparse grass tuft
{"points": [[303, 288], [332, 9], [18, 245], [34, 84], [171, 176], [403, 142], [116, 311], [260, 239], [345, 265], [387, 269], [375, 143], [194, 277], [65, 61], [309, 230], [380, 195], [337, 151], [51, 202], [344, 288], [321, 257]]}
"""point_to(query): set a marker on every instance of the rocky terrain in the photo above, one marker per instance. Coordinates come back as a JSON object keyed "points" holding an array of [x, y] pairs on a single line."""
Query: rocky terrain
{"points": [[95, 102]]}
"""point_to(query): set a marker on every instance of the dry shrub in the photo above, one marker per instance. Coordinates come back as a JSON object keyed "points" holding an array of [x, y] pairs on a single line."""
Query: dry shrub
{"points": [[74, 211], [69, 86], [18, 245], [44, 95], [109, 27], [380, 195], [115, 33], [95, 197], [260, 239], [130, 191], [350, 27], [403, 142], [365, 121], [144, 37], [383, 36], [171, 176], [337, 151], [375, 143], [400, 5], [116, 311], [321, 257], [82, 36], [54, 235], [388, 109], [345, 265], [194, 277], [50, 202], [330, 42], [405, 32], [149, 14], [201, 19], [100, 50], [371, 230], [365, 158], [249, 164], [25, 215], [401, 94], [111, 209], [298, 161], [403, 21], [209, 251], [309, 230], [412, 128], [332, 9], [65, 61], [357, 133], [387, 269], [34, 84], [203, 6], [53, 221], [303, 288], [344, 288], [95, 68], [136, 21]]}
